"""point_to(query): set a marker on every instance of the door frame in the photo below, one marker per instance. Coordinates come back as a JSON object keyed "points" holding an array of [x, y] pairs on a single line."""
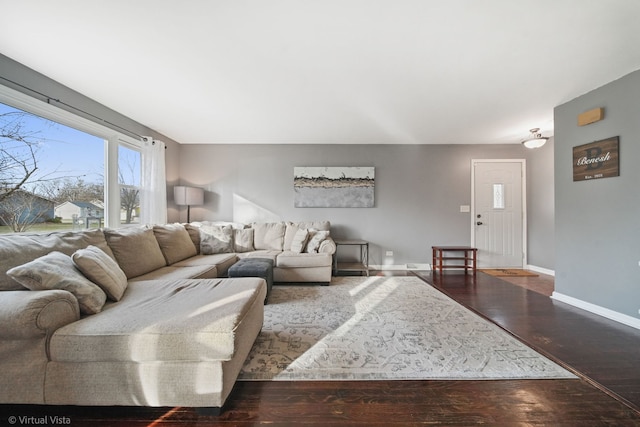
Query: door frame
{"points": [[523, 170]]}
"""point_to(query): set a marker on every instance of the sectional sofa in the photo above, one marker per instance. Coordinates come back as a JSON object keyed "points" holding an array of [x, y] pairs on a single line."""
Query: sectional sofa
{"points": [[141, 316]]}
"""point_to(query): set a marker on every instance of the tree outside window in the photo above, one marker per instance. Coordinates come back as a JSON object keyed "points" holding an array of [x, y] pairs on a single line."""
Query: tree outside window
{"points": [[51, 175]]}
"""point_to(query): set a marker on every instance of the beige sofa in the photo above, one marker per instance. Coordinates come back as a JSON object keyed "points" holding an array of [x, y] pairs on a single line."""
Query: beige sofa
{"points": [[301, 251], [137, 316]]}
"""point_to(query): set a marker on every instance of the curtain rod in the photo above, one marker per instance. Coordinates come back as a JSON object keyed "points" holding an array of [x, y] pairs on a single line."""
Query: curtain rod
{"points": [[49, 99]]}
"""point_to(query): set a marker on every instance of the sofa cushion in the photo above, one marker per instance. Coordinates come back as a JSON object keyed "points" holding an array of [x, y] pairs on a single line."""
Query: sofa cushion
{"points": [[288, 259], [194, 233], [315, 239], [57, 271], [317, 225], [222, 262], [260, 254], [166, 320], [293, 227], [234, 225], [268, 235], [216, 239], [175, 242], [243, 240], [102, 270], [18, 249], [136, 250], [171, 272], [299, 241]]}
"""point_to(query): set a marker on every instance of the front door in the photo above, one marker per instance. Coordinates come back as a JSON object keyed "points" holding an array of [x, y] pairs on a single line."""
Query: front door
{"points": [[498, 213]]}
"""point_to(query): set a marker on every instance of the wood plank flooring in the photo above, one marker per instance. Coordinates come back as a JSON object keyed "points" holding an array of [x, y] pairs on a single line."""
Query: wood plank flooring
{"points": [[604, 352]]}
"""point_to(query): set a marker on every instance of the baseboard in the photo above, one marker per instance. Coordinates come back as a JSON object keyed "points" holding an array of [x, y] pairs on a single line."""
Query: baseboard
{"points": [[541, 270], [596, 309], [400, 267]]}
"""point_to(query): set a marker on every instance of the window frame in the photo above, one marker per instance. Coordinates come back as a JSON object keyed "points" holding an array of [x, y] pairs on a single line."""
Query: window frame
{"points": [[113, 139]]}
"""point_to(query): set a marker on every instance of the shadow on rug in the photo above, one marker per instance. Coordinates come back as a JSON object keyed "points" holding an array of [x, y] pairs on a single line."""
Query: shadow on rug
{"points": [[384, 328]]}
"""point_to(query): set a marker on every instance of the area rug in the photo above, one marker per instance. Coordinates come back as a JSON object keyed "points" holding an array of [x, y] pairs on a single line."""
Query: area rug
{"points": [[383, 328], [508, 272]]}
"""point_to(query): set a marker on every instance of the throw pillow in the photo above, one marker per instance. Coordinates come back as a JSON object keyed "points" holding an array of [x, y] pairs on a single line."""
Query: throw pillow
{"points": [[243, 240], [175, 242], [216, 239], [299, 240], [57, 271], [194, 234], [102, 270], [314, 241], [289, 233], [136, 250], [268, 235]]}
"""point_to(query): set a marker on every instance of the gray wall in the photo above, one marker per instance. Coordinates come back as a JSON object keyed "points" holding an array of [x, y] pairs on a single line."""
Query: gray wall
{"points": [[26, 77], [598, 221], [419, 190]]}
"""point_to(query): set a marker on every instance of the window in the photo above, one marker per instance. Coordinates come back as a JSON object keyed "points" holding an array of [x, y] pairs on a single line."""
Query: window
{"points": [[63, 171], [129, 175], [498, 196]]}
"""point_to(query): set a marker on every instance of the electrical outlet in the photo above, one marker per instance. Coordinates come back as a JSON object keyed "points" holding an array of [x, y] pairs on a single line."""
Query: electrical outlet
{"points": [[389, 253]]}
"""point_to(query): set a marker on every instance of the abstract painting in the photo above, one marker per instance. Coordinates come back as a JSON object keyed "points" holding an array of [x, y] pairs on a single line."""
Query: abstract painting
{"points": [[333, 187]]}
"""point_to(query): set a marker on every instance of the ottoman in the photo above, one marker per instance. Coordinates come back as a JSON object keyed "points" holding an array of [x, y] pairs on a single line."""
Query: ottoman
{"points": [[254, 267]]}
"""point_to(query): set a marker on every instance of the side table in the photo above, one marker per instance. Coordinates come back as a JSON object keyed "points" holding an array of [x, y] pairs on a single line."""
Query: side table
{"points": [[466, 254], [361, 266]]}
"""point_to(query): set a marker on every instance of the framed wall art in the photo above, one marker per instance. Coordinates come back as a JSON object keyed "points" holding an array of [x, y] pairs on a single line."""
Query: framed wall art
{"points": [[333, 187]]}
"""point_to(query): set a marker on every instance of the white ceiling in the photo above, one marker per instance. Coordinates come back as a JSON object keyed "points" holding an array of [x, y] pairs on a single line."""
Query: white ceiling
{"points": [[329, 71]]}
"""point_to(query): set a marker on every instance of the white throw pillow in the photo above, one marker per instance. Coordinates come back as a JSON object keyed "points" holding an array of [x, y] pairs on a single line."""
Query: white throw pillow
{"points": [[102, 270], [315, 239], [57, 271], [243, 240], [299, 240], [216, 239]]}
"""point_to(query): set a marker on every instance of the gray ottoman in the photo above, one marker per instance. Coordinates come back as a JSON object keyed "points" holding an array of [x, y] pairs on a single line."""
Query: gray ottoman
{"points": [[254, 267]]}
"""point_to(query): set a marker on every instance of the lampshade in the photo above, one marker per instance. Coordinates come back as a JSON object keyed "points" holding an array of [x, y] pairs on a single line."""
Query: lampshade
{"points": [[189, 196], [536, 140]]}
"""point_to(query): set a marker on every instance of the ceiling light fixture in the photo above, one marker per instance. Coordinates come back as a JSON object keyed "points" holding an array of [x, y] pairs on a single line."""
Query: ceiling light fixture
{"points": [[536, 140]]}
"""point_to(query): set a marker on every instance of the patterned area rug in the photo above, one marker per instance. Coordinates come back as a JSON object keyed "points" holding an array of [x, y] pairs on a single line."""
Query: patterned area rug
{"points": [[383, 328]]}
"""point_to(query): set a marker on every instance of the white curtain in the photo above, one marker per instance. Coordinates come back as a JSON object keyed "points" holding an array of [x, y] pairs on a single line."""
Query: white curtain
{"points": [[153, 191]]}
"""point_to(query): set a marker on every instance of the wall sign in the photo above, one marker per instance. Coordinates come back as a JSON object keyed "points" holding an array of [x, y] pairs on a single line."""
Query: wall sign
{"points": [[596, 160]]}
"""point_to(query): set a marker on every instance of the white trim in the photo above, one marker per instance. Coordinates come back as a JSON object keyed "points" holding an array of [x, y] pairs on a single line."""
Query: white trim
{"points": [[401, 267], [523, 169], [111, 185], [596, 309], [541, 270], [35, 106]]}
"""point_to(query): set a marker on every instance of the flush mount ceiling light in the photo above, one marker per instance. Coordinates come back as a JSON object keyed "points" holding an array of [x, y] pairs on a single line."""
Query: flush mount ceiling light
{"points": [[536, 140]]}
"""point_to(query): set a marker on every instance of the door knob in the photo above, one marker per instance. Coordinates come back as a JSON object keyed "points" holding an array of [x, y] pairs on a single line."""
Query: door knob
{"points": [[479, 223]]}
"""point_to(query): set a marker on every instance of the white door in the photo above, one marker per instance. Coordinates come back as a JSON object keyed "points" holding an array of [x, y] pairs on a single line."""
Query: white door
{"points": [[498, 213]]}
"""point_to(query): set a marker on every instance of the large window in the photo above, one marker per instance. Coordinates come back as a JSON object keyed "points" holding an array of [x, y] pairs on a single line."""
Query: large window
{"points": [[59, 171]]}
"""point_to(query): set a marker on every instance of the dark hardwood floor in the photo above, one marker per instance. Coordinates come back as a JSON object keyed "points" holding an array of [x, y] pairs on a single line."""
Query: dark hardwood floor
{"points": [[604, 354]]}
